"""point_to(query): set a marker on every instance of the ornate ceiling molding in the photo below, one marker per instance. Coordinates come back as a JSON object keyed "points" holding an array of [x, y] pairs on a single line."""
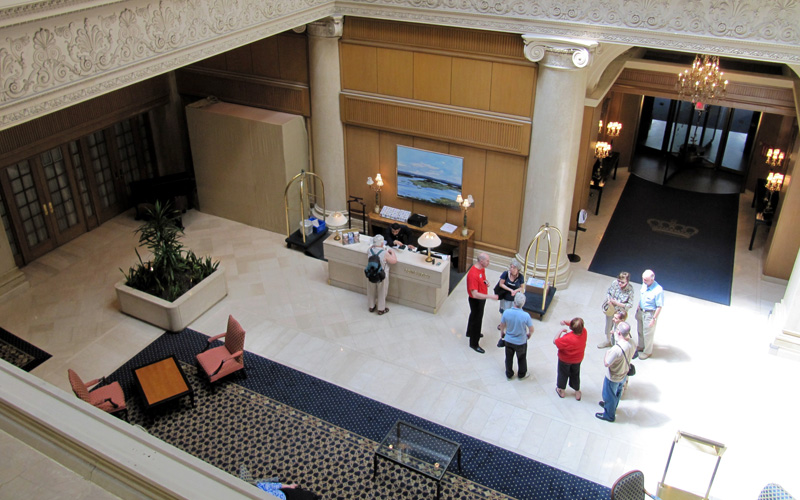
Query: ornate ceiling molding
{"points": [[59, 52], [58, 61], [766, 30]]}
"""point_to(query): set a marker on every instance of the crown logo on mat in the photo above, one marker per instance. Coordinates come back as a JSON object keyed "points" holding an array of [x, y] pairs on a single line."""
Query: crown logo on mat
{"points": [[672, 228]]}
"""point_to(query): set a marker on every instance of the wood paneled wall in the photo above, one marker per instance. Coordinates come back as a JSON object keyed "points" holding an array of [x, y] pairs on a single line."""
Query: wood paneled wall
{"points": [[271, 73], [57, 128], [461, 92]]}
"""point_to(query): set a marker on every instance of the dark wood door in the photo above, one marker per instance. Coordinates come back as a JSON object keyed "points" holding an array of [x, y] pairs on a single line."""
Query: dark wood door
{"points": [[65, 214], [27, 209], [105, 179]]}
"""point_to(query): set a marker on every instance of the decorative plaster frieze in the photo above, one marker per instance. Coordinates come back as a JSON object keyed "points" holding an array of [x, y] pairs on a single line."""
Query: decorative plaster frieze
{"points": [[59, 52], [63, 60], [330, 27], [559, 53], [708, 26]]}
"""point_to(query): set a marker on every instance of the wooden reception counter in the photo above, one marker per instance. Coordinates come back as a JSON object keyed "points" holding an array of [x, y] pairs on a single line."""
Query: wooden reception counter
{"points": [[412, 281]]}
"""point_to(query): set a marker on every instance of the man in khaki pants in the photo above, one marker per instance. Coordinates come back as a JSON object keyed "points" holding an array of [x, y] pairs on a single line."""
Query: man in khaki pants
{"points": [[651, 300]]}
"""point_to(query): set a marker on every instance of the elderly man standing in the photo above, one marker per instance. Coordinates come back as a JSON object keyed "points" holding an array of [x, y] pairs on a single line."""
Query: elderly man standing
{"points": [[651, 300], [478, 291], [617, 362], [376, 291], [516, 327]]}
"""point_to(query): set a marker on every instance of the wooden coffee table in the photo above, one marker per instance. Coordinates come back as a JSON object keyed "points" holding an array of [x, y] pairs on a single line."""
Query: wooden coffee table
{"points": [[161, 382]]}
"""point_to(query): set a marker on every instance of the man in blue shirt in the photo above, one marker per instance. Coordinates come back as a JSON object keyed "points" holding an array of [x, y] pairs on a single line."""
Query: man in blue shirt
{"points": [[516, 327], [651, 300]]}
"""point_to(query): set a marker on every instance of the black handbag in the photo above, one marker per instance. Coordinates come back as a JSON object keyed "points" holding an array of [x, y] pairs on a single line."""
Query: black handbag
{"points": [[631, 368], [501, 293]]}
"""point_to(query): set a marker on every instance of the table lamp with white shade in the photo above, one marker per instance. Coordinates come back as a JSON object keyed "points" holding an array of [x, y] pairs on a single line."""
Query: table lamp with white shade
{"points": [[338, 220], [429, 240]]}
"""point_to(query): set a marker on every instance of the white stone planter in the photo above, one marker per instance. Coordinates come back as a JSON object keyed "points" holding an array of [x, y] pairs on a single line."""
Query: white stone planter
{"points": [[173, 316]]}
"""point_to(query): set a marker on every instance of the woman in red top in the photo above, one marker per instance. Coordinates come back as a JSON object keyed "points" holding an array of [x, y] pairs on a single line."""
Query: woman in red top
{"points": [[571, 346]]}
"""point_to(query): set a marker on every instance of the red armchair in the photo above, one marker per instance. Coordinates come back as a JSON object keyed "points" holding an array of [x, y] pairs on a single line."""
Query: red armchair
{"points": [[108, 398], [225, 359]]}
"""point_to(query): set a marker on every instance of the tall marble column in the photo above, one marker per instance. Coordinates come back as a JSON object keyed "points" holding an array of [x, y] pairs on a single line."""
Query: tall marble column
{"points": [[327, 134], [555, 140]]}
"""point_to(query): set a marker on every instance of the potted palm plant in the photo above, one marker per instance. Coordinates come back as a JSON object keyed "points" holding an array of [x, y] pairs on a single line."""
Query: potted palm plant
{"points": [[174, 286]]}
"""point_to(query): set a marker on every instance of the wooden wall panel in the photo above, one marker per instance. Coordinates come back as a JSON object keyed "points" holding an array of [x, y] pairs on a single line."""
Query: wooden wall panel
{"points": [[388, 170], [456, 125], [473, 184], [363, 156], [432, 76], [359, 67], [239, 60], [479, 44], [215, 62], [395, 72], [503, 192], [246, 90], [472, 83], [293, 58], [586, 159], [512, 89], [265, 57]]}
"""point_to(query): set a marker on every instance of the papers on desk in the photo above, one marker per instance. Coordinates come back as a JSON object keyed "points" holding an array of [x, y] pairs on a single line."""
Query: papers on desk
{"points": [[448, 228]]}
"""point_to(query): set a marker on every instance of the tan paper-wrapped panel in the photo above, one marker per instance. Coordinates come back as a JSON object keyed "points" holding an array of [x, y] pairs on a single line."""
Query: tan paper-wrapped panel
{"points": [[243, 159]]}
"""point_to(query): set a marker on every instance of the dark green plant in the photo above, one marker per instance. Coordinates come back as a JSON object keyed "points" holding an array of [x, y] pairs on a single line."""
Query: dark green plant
{"points": [[172, 270]]}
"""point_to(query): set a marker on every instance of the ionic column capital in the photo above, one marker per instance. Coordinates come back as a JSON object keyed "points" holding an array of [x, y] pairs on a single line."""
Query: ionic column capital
{"points": [[330, 27], [559, 53]]}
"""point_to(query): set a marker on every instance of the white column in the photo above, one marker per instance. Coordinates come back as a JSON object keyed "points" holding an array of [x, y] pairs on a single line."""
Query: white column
{"points": [[555, 140], [327, 134]]}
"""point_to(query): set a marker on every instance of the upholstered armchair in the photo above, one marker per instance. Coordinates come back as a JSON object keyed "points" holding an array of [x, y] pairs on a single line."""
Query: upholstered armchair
{"points": [[108, 398], [221, 361]]}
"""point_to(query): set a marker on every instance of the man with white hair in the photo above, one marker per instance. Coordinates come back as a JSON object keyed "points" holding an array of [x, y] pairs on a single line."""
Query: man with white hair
{"points": [[516, 327], [617, 362], [478, 291], [651, 300]]}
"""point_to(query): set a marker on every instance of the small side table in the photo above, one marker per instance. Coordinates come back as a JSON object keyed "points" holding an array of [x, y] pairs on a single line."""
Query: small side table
{"points": [[161, 382], [418, 450]]}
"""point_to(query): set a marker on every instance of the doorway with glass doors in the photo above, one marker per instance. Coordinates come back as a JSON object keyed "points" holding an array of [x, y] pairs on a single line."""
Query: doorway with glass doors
{"points": [[705, 148]]}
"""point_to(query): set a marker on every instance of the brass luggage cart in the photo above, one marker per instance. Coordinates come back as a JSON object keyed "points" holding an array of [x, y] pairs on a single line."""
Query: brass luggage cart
{"points": [[539, 295], [697, 443]]}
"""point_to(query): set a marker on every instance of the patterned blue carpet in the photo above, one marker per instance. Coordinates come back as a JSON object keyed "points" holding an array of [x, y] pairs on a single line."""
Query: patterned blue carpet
{"points": [[20, 353], [487, 470]]}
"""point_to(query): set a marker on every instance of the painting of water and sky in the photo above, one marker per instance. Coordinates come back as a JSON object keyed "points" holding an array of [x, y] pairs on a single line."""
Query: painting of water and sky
{"points": [[428, 176]]}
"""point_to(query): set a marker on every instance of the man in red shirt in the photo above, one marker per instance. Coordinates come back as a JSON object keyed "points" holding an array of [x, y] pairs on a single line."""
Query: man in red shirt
{"points": [[478, 290]]}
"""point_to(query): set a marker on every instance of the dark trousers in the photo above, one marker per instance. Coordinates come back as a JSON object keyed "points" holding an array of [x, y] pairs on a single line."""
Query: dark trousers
{"points": [[569, 372], [521, 350], [475, 321]]}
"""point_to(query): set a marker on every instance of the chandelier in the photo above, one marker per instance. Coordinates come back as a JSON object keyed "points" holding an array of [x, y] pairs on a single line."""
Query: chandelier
{"points": [[703, 82]]}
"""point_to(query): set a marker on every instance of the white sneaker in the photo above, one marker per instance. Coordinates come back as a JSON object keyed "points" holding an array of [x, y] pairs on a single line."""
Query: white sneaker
{"points": [[603, 345]]}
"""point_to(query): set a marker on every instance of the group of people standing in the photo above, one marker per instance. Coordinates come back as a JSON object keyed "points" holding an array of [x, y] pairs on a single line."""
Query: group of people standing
{"points": [[516, 327]]}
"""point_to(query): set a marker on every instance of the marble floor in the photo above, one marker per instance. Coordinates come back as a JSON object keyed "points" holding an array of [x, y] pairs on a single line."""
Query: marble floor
{"points": [[711, 374]]}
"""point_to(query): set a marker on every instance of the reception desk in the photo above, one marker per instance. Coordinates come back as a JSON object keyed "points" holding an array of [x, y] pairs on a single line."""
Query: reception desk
{"points": [[412, 281], [462, 244]]}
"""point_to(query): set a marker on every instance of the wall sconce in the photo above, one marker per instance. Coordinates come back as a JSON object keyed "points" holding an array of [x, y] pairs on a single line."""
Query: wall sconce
{"points": [[600, 127], [429, 240], [376, 185], [338, 220], [775, 157], [602, 149], [613, 129], [465, 204]]}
